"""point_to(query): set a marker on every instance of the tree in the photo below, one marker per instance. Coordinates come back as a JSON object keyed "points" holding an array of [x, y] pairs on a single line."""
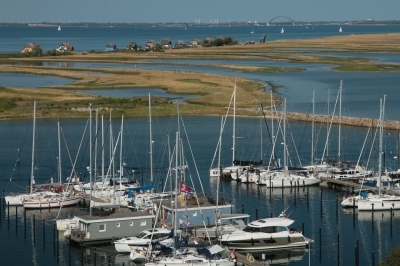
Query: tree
{"points": [[393, 259]]}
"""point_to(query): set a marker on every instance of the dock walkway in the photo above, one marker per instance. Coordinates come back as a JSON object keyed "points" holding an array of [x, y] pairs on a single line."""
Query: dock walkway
{"points": [[332, 182]]}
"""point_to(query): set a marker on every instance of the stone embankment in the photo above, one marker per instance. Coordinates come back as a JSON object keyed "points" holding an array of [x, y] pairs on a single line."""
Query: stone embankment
{"points": [[350, 121]]}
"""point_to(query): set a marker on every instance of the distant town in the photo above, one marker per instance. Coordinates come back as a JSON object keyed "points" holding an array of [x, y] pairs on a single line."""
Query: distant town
{"points": [[278, 21]]}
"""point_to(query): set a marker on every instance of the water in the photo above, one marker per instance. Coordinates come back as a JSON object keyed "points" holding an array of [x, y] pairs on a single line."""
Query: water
{"points": [[305, 205], [31, 81], [138, 92], [362, 91], [13, 39]]}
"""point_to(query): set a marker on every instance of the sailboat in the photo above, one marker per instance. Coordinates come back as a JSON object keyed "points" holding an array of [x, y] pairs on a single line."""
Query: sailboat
{"points": [[252, 31], [59, 28], [382, 202], [16, 200], [284, 178], [340, 29], [282, 30]]}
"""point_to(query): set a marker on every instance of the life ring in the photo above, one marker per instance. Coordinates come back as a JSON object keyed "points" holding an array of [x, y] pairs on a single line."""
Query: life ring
{"points": [[250, 257]]}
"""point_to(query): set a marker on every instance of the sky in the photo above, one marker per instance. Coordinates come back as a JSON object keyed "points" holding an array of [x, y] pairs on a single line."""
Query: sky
{"points": [[189, 11]]}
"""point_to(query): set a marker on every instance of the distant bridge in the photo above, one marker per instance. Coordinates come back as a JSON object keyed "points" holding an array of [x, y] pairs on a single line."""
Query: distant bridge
{"points": [[293, 22]]}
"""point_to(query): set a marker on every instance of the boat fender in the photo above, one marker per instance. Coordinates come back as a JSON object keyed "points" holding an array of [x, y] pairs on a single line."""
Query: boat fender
{"points": [[250, 257]]}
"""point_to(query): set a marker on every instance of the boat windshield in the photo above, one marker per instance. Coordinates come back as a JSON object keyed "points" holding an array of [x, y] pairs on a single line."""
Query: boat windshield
{"points": [[141, 234], [268, 229]]}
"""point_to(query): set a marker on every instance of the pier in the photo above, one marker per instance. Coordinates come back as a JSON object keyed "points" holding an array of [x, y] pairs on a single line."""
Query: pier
{"points": [[332, 182]]}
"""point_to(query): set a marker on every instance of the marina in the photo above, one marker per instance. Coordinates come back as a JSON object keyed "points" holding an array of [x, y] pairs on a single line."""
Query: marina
{"points": [[340, 236]]}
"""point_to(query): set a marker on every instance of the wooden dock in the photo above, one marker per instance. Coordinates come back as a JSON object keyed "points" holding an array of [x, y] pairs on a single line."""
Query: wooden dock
{"points": [[332, 182]]}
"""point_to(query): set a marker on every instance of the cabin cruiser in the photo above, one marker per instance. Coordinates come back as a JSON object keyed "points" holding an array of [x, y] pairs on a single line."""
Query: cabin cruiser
{"points": [[269, 233]]}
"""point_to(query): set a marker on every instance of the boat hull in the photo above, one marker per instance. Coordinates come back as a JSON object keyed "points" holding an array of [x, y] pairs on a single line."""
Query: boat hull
{"points": [[51, 203], [379, 204]]}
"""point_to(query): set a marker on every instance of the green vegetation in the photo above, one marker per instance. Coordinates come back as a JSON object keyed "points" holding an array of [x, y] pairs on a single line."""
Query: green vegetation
{"points": [[393, 259]]}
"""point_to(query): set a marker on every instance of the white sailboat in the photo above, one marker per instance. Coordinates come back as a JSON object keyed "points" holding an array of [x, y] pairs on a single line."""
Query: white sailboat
{"points": [[382, 202], [16, 200], [252, 31], [340, 29], [59, 28], [284, 178], [282, 30]]}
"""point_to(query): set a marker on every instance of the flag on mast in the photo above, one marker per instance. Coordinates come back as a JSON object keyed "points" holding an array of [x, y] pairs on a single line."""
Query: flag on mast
{"points": [[185, 188]]}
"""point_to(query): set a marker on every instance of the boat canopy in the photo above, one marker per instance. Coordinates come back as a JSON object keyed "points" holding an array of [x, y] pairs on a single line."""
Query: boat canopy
{"points": [[276, 221]]}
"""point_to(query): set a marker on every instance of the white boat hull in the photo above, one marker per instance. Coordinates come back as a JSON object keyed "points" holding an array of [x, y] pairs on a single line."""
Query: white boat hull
{"points": [[50, 203], [379, 204]]}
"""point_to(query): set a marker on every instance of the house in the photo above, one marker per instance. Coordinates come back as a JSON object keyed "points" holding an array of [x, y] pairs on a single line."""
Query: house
{"points": [[104, 227], [31, 48], [166, 42], [194, 42], [111, 47], [194, 209], [262, 38], [151, 44], [132, 46], [65, 46], [180, 44]]}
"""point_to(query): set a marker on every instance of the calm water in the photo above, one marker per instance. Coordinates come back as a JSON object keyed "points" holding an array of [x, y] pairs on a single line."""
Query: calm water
{"points": [[13, 39], [305, 204]]}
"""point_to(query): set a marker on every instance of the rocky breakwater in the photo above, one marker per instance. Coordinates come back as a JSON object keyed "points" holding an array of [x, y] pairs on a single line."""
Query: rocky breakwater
{"points": [[349, 121]]}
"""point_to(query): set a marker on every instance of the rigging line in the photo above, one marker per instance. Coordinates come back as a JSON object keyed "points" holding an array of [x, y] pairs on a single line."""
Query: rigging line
{"points": [[294, 144], [223, 126], [191, 152], [304, 128], [17, 161], [269, 133]]}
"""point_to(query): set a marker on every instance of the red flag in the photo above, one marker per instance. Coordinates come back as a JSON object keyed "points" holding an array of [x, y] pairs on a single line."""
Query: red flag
{"points": [[184, 188]]}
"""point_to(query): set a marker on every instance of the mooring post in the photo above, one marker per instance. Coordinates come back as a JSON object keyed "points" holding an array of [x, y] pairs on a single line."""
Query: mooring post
{"points": [[320, 244], [16, 220], [373, 258], [242, 208], [54, 238], [256, 214], [94, 259], [391, 216], [337, 210]]}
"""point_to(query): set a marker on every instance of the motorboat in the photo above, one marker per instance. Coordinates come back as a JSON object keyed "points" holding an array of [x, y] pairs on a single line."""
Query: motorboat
{"points": [[263, 234], [144, 238]]}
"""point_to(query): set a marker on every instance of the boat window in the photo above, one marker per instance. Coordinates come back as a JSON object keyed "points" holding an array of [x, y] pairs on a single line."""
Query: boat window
{"points": [[250, 229], [130, 223], [269, 230], [140, 235], [118, 224], [102, 227]]}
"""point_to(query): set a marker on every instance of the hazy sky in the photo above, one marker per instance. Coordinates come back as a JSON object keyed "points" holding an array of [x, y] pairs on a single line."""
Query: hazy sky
{"points": [[131, 11]]}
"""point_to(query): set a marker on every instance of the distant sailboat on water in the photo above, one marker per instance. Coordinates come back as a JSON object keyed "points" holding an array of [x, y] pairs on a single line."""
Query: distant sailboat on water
{"points": [[59, 28], [252, 31], [340, 29], [282, 30]]}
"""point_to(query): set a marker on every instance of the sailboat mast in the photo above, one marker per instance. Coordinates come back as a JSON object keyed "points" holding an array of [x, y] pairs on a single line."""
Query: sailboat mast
{"points": [[382, 117], [284, 135], [234, 125], [102, 147], [327, 125], [176, 192], [312, 128], [272, 118], [151, 142], [121, 168], [90, 153], [261, 131], [340, 117], [33, 147], [59, 154]]}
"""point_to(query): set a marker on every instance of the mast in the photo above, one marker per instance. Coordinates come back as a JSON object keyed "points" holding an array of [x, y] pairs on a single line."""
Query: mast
{"points": [[340, 116], [102, 147], [176, 192], [272, 118], [382, 117], [121, 168], [151, 143], [261, 131], [312, 128], [327, 125], [90, 154], [96, 174], [33, 148], [59, 153], [284, 135], [234, 125]]}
